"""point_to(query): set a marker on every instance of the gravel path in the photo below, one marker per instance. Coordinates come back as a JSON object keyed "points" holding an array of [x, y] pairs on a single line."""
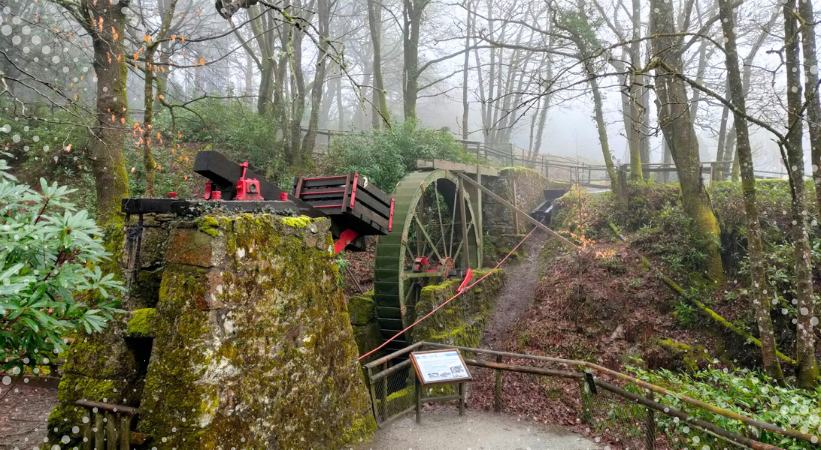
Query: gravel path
{"points": [[444, 429]]}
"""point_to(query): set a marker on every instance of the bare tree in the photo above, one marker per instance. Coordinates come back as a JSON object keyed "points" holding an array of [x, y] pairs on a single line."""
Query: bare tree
{"points": [[805, 338], [755, 249], [677, 127]]}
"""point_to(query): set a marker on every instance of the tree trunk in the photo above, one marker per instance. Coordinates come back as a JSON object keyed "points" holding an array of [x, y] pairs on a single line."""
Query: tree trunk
{"points": [[722, 141], [149, 164], [808, 46], [804, 339], [106, 23], [380, 113], [465, 71], [323, 11], [412, 21], [677, 125], [755, 248], [601, 127]]}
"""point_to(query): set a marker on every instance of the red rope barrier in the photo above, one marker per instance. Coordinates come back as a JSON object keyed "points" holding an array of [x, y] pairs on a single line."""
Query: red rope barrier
{"points": [[442, 305]]}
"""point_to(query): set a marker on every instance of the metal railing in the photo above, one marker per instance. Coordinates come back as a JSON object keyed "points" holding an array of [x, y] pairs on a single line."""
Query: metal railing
{"points": [[108, 427], [592, 380]]}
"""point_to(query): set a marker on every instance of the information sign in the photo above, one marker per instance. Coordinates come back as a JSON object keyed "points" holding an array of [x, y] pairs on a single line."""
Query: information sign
{"points": [[439, 366]]}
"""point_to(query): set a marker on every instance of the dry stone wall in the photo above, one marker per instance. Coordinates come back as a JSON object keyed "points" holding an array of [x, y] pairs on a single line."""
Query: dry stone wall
{"points": [[245, 341]]}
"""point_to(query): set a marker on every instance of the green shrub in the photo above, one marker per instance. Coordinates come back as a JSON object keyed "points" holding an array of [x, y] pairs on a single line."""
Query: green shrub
{"points": [[749, 393], [51, 145], [50, 280], [231, 127], [385, 156]]}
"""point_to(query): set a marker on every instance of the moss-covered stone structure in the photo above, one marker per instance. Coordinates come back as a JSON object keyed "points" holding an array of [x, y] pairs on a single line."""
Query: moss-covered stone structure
{"points": [[237, 336]]}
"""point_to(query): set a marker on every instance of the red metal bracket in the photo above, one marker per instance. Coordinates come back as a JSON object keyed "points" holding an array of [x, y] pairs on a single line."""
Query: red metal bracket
{"points": [[248, 188], [390, 217], [345, 238], [353, 189]]}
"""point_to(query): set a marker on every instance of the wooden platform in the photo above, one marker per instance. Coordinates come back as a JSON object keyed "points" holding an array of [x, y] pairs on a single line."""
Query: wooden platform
{"points": [[472, 169]]}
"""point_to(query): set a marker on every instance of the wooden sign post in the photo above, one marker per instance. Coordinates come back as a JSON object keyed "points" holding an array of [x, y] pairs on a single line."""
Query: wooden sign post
{"points": [[439, 367]]}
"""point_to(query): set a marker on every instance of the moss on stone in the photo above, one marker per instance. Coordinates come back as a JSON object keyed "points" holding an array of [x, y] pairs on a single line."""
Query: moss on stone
{"points": [[296, 222], [271, 362], [462, 321], [208, 225], [362, 309], [141, 323], [101, 355]]}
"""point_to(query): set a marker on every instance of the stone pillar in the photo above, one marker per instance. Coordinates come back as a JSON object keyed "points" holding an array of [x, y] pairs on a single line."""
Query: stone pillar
{"points": [[249, 338]]}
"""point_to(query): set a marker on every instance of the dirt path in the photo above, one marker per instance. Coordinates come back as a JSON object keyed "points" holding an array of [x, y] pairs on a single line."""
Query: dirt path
{"points": [[516, 296], [445, 430]]}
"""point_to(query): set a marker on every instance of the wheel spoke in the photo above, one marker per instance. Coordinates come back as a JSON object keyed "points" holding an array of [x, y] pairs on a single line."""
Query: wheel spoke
{"points": [[427, 236], [439, 213]]}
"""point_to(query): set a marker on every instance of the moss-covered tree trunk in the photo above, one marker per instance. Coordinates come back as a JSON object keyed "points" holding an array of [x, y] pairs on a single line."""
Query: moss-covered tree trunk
{"points": [[380, 103], [758, 285], [808, 46], [805, 338], [677, 126], [105, 22]]}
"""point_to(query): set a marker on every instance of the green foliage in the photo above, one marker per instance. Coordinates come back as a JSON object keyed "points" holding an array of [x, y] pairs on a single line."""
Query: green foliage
{"points": [[231, 127], [50, 281], [744, 392], [50, 145], [385, 156]]}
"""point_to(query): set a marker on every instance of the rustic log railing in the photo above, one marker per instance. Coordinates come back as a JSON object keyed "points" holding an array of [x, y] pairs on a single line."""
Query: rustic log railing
{"points": [[109, 427], [591, 379]]}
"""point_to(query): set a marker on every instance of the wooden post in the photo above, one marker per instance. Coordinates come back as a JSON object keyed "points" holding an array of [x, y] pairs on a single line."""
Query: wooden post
{"points": [[650, 428], [461, 399], [374, 400], [125, 432], [418, 389], [497, 387], [384, 394], [88, 434], [515, 205], [111, 431], [464, 218], [586, 399], [99, 432]]}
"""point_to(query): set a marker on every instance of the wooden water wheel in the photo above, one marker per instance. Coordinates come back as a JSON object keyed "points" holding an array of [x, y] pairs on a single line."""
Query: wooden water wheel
{"points": [[435, 235]]}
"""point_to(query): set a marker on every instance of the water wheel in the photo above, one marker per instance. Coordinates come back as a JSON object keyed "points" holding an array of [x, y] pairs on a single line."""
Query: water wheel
{"points": [[434, 236]]}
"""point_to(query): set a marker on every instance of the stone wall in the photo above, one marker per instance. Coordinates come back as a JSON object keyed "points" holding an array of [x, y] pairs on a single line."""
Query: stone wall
{"points": [[245, 342], [362, 311], [462, 322]]}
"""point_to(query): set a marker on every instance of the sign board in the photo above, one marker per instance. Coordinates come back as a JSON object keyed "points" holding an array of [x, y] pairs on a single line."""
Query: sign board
{"points": [[439, 366]]}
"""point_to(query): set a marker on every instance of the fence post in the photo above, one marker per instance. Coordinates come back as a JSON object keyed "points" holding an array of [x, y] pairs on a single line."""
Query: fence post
{"points": [[111, 431], [497, 387], [418, 391], [384, 394], [587, 400], [125, 432], [461, 399], [650, 428], [99, 431], [374, 400]]}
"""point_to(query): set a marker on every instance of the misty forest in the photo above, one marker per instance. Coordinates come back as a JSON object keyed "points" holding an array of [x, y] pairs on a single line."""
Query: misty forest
{"points": [[257, 224]]}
